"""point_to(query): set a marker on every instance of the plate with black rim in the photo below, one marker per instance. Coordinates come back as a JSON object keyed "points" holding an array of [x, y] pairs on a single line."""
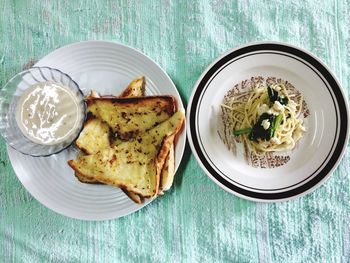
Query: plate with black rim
{"points": [[271, 177]]}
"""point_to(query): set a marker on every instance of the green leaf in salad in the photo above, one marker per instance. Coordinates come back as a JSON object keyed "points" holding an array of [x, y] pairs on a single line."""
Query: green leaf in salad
{"points": [[242, 131], [275, 125], [274, 96], [258, 131]]}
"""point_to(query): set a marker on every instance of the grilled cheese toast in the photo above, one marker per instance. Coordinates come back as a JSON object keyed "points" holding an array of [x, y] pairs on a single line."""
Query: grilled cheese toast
{"points": [[130, 117], [133, 165], [96, 135]]}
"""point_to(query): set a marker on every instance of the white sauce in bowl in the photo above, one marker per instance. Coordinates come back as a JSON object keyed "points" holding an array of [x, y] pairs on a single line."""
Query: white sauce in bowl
{"points": [[48, 113]]}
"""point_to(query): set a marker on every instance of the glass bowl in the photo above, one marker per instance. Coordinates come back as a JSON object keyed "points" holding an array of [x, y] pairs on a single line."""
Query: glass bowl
{"points": [[10, 96]]}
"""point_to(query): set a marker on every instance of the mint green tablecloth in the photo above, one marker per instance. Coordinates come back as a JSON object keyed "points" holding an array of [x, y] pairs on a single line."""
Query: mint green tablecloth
{"points": [[195, 221]]}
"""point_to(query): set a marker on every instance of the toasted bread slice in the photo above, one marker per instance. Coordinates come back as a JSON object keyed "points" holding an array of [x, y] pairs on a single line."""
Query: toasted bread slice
{"points": [[93, 94], [168, 171], [133, 165], [85, 179], [88, 180], [136, 88], [130, 117], [135, 197], [94, 136]]}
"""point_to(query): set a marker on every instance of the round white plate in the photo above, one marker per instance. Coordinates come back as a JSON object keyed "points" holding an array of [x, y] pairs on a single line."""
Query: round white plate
{"points": [[108, 68], [316, 155]]}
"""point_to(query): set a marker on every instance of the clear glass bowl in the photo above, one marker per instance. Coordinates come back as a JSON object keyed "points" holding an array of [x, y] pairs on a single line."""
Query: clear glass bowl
{"points": [[9, 98]]}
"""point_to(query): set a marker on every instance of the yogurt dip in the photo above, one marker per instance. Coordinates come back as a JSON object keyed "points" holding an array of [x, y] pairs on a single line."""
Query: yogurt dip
{"points": [[48, 113]]}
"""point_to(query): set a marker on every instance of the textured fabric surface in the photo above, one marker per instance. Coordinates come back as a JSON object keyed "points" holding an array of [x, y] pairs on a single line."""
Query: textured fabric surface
{"points": [[195, 221]]}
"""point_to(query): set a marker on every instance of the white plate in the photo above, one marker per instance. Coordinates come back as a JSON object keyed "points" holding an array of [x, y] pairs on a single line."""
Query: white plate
{"points": [[106, 67], [316, 155]]}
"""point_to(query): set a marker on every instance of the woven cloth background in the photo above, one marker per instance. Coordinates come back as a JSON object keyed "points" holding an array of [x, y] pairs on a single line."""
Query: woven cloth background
{"points": [[195, 221]]}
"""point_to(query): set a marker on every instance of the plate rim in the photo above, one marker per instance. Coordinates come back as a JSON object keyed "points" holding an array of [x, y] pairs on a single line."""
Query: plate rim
{"points": [[194, 149], [180, 107]]}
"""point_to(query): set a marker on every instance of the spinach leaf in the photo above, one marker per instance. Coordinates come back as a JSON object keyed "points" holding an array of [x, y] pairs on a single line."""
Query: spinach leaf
{"points": [[242, 131], [273, 96], [258, 131], [283, 100], [275, 124]]}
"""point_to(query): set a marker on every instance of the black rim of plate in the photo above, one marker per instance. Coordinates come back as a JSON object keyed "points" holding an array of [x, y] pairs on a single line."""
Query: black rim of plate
{"points": [[326, 77]]}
